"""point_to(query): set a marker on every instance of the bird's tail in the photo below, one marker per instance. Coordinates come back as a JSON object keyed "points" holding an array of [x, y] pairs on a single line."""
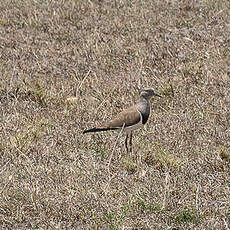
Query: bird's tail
{"points": [[100, 129]]}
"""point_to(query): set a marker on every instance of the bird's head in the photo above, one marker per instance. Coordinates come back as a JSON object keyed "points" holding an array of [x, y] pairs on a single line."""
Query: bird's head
{"points": [[148, 93]]}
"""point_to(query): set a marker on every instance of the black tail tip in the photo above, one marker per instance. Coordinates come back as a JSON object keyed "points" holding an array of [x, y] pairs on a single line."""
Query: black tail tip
{"points": [[90, 130], [93, 130]]}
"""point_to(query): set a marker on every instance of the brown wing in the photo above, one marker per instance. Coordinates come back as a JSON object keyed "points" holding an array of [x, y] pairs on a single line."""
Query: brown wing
{"points": [[128, 117]]}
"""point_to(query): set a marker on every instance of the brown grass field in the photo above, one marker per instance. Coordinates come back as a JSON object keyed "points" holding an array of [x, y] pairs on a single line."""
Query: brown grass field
{"points": [[54, 177]]}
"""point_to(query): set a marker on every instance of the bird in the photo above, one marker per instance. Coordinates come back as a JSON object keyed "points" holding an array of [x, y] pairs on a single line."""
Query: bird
{"points": [[131, 118]]}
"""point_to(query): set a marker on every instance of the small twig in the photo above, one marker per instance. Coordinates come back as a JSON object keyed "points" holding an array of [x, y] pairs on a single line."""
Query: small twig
{"points": [[171, 86], [197, 196], [102, 103], [166, 190], [140, 84], [4, 166], [226, 224], [10, 178], [107, 185], [80, 84], [115, 146], [8, 88], [217, 13], [189, 39]]}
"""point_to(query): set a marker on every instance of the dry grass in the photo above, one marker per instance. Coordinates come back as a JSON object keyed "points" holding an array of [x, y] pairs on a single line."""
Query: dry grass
{"points": [[52, 176]]}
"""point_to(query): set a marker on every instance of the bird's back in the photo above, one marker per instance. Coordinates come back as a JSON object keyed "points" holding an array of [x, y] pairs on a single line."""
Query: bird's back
{"points": [[128, 117]]}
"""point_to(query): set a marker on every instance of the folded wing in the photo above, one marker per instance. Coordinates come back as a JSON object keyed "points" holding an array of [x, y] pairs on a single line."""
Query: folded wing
{"points": [[128, 117]]}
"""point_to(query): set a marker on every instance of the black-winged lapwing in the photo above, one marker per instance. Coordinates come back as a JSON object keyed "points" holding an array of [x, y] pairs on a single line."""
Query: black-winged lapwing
{"points": [[130, 119]]}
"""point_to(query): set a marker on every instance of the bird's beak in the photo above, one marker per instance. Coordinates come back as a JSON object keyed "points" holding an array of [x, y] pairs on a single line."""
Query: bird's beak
{"points": [[155, 94]]}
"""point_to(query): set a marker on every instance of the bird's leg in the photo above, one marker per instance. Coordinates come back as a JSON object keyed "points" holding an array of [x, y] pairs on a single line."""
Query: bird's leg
{"points": [[130, 141], [126, 142]]}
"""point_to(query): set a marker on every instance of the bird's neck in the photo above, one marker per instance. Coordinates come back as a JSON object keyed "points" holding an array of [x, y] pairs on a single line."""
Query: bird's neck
{"points": [[144, 99], [143, 104]]}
